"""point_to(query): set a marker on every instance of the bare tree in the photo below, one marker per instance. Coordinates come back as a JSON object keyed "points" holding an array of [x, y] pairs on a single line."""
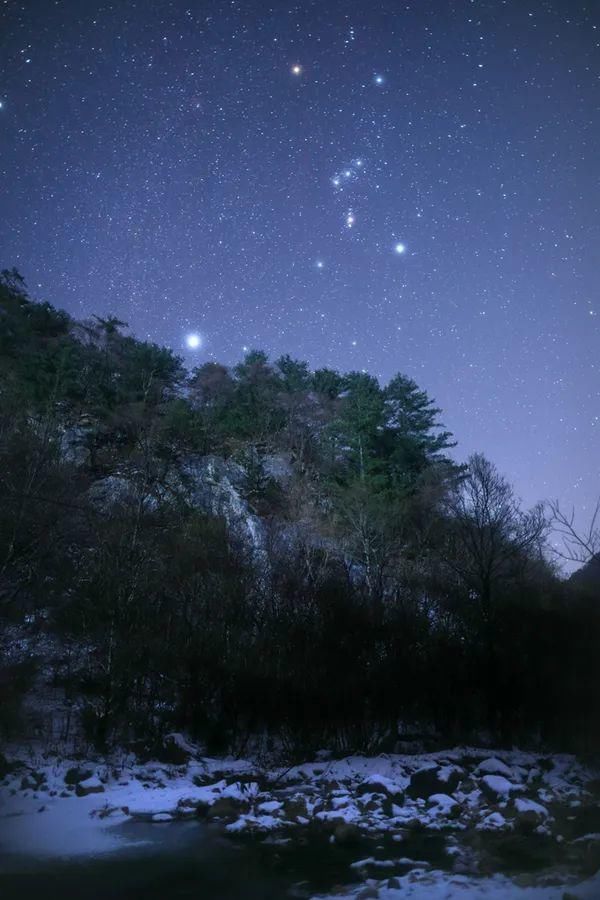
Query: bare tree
{"points": [[577, 546], [492, 537]]}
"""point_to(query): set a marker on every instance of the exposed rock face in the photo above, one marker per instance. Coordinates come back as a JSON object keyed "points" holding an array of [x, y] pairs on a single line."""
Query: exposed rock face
{"points": [[208, 483], [112, 491], [278, 467], [216, 485], [74, 446]]}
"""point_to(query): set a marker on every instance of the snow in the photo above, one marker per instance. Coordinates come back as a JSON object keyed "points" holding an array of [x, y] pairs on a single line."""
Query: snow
{"points": [[437, 885], [494, 822], [493, 766], [499, 785], [444, 803], [51, 820], [523, 805], [92, 783]]}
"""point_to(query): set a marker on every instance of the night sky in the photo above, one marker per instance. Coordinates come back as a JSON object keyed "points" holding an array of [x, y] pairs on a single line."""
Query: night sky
{"points": [[374, 185]]}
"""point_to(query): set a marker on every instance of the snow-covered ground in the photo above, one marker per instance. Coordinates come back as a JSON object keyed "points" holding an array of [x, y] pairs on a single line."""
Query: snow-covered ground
{"points": [[484, 806]]}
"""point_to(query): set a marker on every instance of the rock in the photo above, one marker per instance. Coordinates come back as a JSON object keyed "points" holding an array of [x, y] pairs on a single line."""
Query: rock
{"points": [[586, 821], [496, 787], [32, 781], [393, 884], [529, 814], [91, 785], [493, 766], [111, 492], [176, 750], [217, 486], [294, 808], [434, 780], [448, 806], [493, 822], [76, 774], [74, 446], [162, 817], [224, 808], [346, 833], [379, 784], [6, 767], [368, 893]]}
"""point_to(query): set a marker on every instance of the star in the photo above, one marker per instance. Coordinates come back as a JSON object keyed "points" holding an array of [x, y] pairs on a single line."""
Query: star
{"points": [[400, 249], [193, 341], [319, 264], [379, 79], [350, 220], [296, 69]]}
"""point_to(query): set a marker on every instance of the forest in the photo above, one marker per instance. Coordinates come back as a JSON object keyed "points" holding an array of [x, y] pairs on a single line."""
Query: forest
{"points": [[270, 551]]}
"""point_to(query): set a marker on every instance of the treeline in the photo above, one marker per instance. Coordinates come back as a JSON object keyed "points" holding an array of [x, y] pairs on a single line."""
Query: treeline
{"points": [[392, 585]]}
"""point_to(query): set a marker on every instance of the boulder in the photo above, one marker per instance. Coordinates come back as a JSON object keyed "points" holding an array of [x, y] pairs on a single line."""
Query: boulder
{"points": [[162, 817], [91, 785], [446, 805], [226, 808], [76, 774], [379, 784], [529, 814], [434, 780], [493, 766], [496, 787], [32, 781], [294, 808], [176, 750]]}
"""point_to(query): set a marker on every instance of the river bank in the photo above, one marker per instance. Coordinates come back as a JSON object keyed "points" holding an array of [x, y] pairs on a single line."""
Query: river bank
{"points": [[465, 822]]}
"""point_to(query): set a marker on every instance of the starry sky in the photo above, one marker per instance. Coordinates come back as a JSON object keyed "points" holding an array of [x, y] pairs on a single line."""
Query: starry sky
{"points": [[389, 186]]}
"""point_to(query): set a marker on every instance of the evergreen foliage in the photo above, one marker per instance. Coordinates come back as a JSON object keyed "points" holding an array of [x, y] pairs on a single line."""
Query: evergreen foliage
{"points": [[392, 583]]}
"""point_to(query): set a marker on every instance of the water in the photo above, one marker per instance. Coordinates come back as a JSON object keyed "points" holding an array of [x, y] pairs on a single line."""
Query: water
{"points": [[185, 860]]}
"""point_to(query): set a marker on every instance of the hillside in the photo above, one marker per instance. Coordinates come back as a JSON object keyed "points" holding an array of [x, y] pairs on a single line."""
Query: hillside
{"points": [[262, 550]]}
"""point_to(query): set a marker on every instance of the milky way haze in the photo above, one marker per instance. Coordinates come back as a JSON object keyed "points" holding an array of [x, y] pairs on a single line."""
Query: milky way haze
{"points": [[377, 185]]}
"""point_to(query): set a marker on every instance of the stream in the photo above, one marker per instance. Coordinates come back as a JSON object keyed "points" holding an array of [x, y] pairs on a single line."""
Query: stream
{"points": [[190, 859]]}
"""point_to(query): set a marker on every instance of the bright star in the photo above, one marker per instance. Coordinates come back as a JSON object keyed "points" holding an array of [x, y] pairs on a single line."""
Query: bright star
{"points": [[350, 220], [320, 264], [193, 341], [359, 163], [379, 79], [400, 249], [297, 69]]}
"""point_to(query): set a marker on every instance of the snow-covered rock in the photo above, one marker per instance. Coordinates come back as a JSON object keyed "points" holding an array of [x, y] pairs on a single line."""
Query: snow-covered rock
{"points": [[496, 787], [91, 785], [493, 766], [493, 822], [444, 804], [434, 780]]}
